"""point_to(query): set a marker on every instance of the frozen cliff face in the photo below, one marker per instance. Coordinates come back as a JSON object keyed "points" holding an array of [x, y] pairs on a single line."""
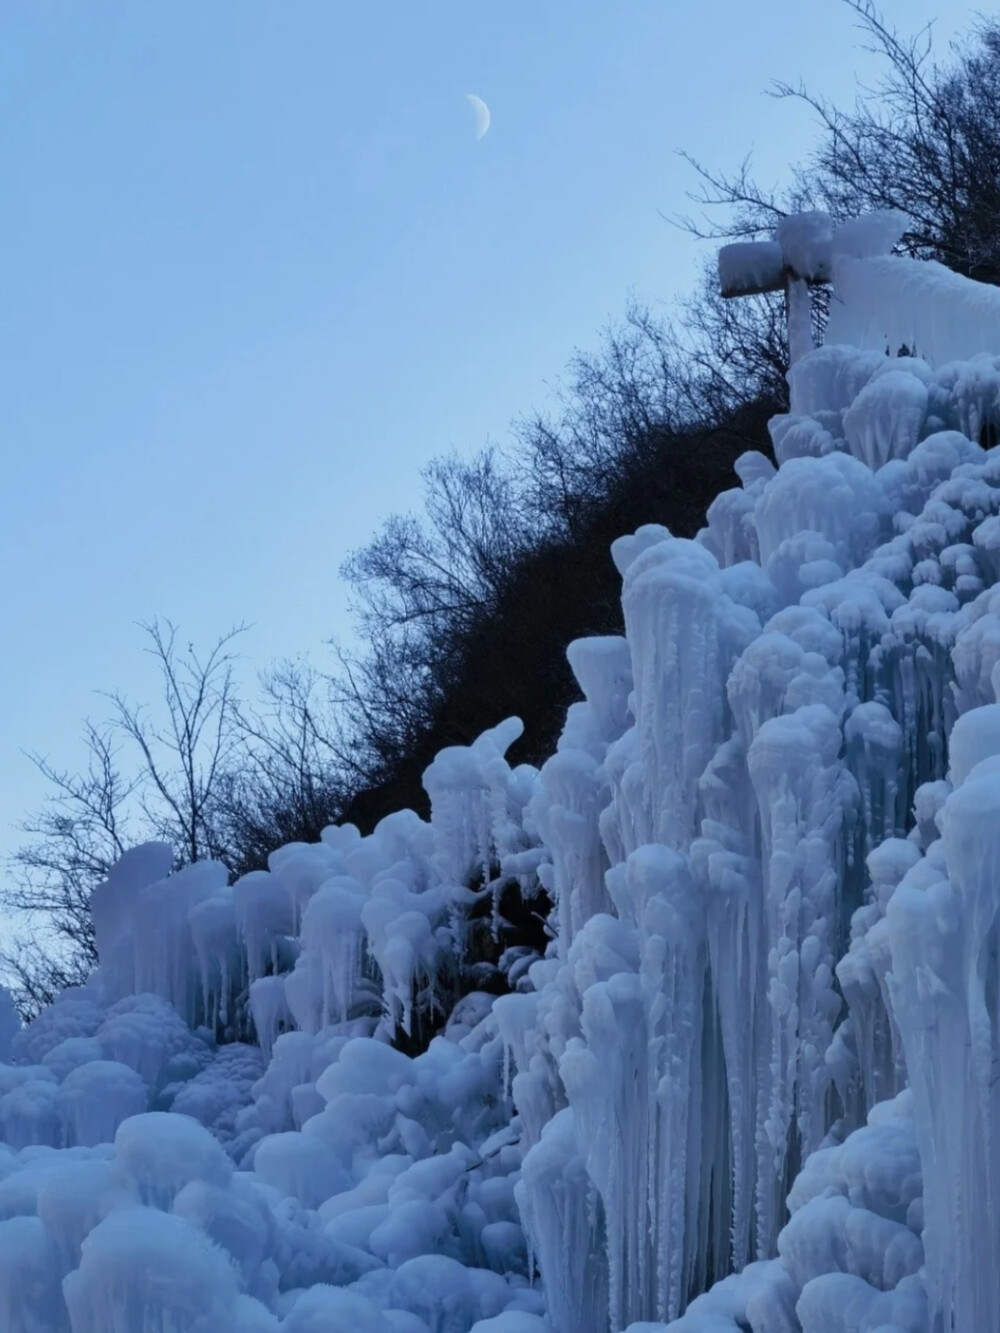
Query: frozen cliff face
{"points": [[800, 742], [748, 1079]]}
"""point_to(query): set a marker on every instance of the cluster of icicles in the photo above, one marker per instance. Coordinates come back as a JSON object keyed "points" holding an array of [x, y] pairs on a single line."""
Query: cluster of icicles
{"points": [[772, 1050], [753, 1082]]}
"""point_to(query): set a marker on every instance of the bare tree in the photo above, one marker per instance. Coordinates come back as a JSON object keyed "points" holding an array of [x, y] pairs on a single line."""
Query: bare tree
{"points": [[925, 140], [614, 401], [733, 352], [75, 839], [289, 781], [183, 755], [145, 777], [422, 587], [444, 567]]}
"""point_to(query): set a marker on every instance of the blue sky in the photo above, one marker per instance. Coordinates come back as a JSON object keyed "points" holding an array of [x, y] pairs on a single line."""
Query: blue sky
{"points": [[257, 270]]}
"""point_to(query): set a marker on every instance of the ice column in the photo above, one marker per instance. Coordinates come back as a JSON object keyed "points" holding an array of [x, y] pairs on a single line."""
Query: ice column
{"points": [[946, 993], [803, 795], [685, 632]]}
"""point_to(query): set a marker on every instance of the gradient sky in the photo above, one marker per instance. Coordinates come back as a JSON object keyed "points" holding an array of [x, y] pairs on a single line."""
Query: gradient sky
{"points": [[257, 270]]}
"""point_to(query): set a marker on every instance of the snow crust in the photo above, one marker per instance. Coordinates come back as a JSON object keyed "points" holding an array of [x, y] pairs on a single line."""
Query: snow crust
{"points": [[806, 247], [751, 1081], [889, 301]]}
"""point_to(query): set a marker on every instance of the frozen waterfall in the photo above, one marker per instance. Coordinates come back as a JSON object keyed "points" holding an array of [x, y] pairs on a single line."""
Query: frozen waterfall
{"points": [[753, 1080]]}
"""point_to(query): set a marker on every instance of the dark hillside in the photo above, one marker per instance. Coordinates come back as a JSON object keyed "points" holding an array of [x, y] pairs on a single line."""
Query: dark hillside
{"points": [[512, 659]]}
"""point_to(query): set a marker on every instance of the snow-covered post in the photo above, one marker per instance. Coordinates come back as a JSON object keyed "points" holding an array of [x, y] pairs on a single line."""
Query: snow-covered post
{"points": [[796, 259]]}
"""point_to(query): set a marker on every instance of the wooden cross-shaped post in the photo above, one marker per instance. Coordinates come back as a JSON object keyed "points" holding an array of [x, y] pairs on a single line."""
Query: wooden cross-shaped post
{"points": [[798, 258]]}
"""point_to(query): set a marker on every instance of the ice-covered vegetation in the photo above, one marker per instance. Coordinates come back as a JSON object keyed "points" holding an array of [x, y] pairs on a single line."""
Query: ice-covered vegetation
{"points": [[752, 1080]]}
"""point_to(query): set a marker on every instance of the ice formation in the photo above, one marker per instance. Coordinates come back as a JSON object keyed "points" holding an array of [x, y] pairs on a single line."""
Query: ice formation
{"points": [[750, 1082]]}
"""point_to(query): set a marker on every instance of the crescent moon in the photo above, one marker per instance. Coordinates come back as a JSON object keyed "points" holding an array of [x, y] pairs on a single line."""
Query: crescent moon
{"points": [[482, 112]]}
